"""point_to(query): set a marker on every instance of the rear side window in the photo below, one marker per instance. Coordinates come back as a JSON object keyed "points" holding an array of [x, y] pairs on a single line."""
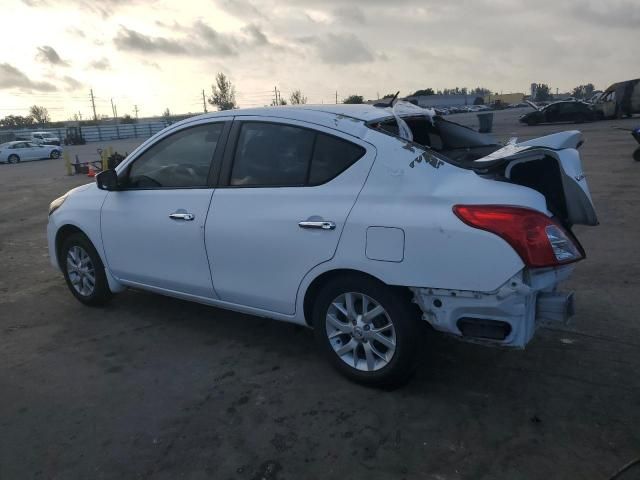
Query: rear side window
{"points": [[181, 160], [272, 155], [331, 157], [269, 154]]}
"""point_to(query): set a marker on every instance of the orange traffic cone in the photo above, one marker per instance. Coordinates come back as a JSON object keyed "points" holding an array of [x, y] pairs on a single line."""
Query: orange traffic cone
{"points": [[91, 172]]}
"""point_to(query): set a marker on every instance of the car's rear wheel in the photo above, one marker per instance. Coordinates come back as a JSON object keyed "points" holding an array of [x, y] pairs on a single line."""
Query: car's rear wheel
{"points": [[367, 330], [54, 154], [13, 158], [83, 270]]}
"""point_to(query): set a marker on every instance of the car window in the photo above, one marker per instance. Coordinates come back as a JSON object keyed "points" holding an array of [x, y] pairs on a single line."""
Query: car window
{"points": [[332, 156], [269, 154], [181, 160]]}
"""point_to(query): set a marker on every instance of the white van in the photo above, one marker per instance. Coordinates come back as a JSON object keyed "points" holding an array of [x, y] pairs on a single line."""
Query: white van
{"points": [[44, 138]]}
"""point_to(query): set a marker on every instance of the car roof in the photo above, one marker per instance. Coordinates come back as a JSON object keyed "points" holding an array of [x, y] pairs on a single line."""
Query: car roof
{"points": [[347, 118]]}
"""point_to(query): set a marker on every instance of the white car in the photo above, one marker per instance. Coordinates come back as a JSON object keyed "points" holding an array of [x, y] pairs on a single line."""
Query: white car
{"points": [[46, 138], [15, 152], [355, 220]]}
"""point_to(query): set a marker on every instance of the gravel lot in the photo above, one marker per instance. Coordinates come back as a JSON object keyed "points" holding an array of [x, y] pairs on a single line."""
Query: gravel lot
{"points": [[153, 387]]}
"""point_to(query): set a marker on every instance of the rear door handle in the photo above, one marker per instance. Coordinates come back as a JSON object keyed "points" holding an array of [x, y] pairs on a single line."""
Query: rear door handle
{"points": [[187, 217], [321, 225]]}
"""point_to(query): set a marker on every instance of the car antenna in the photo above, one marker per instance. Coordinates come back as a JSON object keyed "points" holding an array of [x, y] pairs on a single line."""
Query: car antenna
{"points": [[390, 103]]}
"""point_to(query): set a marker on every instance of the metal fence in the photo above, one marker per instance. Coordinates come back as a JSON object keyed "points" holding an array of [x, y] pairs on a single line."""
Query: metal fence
{"points": [[96, 133]]}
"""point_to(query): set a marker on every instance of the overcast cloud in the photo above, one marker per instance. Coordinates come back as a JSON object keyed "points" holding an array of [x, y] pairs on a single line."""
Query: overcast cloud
{"points": [[166, 51]]}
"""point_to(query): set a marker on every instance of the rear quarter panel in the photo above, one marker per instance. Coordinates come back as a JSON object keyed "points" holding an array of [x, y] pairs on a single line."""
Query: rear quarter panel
{"points": [[440, 251]]}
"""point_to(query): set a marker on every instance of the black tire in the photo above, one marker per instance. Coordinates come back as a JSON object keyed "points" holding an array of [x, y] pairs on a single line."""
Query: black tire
{"points": [[636, 155], [54, 154], [100, 293], [13, 158], [531, 122], [580, 118], [401, 313]]}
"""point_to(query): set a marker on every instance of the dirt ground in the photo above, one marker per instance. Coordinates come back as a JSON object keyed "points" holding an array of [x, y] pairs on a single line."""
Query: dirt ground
{"points": [[153, 387]]}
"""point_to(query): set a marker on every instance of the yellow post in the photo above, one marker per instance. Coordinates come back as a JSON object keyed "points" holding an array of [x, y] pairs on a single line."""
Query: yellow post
{"points": [[105, 163], [67, 162]]}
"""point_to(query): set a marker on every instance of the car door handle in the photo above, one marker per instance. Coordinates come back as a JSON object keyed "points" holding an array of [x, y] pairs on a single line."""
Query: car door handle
{"points": [[322, 225], [182, 216]]}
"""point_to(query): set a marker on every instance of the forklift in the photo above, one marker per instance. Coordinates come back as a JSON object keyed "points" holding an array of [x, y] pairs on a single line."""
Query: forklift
{"points": [[74, 136]]}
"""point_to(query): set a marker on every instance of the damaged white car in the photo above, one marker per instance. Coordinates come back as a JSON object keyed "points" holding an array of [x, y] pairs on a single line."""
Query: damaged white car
{"points": [[358, 221]]}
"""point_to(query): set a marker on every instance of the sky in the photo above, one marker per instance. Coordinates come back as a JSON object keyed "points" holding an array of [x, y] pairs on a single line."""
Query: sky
{"points": [[158, 54]]}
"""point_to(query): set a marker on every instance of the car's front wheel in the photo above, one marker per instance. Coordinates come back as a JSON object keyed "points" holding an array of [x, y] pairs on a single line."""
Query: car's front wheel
{"points": [[367, 330], [54, 154], [13, 158], [83, 270]]}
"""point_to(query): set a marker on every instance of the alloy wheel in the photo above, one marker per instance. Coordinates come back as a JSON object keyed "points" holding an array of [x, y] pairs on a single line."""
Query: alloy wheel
{"points": [[81, 271], [360, 331]]}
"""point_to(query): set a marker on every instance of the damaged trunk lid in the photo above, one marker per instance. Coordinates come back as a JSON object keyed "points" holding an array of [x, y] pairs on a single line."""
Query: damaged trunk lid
{"points": [[550, 165]]}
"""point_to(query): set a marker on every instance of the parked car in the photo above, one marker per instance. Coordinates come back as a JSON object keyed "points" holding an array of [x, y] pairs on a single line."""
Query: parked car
{"points": [[15, 152], [46, 138], [358, 221], [571, 111], [620, 99]]}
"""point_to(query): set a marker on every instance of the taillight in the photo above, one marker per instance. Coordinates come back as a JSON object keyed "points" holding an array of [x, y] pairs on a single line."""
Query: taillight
{"points": [[539, 240]]}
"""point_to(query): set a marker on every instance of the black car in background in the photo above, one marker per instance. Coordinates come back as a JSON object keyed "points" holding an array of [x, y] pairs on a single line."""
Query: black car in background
{"points": [[570, 111]]}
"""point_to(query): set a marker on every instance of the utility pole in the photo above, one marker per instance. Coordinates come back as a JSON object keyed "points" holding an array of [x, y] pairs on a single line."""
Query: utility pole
{"points": [[204, 102], [135, 109], [275, 92], [114, 110], [336, 97], [93, 104]]}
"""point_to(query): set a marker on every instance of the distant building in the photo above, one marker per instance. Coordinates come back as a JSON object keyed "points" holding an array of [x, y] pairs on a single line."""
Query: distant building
{"points": [[426, 101], [505, 98]]}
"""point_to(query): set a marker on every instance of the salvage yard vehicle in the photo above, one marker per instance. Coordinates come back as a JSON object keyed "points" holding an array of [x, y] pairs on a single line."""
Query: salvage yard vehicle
{"points": [[358, 221], [18, 151], [564, 111], [620, 99], [44, 138]]}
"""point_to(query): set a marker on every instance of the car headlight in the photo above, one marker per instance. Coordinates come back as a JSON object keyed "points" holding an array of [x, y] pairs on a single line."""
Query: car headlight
{"points": [[57, 203]]}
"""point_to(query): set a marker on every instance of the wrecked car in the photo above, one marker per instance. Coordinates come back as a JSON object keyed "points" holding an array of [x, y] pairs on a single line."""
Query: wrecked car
{"points": [[564, 111], [357, 221], [620, 99]]}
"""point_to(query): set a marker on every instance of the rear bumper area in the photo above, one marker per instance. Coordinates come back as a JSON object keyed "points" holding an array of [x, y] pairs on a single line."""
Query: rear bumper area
{"points": [[508, 316]]}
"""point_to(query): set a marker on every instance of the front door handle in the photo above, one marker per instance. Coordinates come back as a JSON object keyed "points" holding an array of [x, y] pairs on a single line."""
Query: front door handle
{"points": [[321, 225], [182, 216]]}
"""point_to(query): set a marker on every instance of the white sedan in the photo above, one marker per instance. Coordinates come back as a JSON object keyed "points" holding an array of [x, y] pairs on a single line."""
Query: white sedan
{"points": [[357, 221], [15, 152]]}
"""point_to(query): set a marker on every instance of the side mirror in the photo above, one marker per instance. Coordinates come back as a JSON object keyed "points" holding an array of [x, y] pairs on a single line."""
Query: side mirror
{"points": [[107, 180]]}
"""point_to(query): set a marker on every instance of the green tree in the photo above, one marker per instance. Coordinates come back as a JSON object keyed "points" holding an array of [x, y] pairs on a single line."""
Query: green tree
{"points": [[297, 98], [127, 119], [424, 91], [16, 121], [40, 114], [166, 113], [583, 91], [354, 99], [543, 92], [223, 93]]}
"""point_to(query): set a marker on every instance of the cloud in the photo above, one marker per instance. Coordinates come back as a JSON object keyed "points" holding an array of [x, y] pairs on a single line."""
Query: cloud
{"points": [[100, 64], [340, 48], [76, 31], [11, 77], [198, 40], [350, 14], [208, 40], [127, 39], [240, 8], [613, 13], [47, 54], [256, 35], [72, 83]]}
